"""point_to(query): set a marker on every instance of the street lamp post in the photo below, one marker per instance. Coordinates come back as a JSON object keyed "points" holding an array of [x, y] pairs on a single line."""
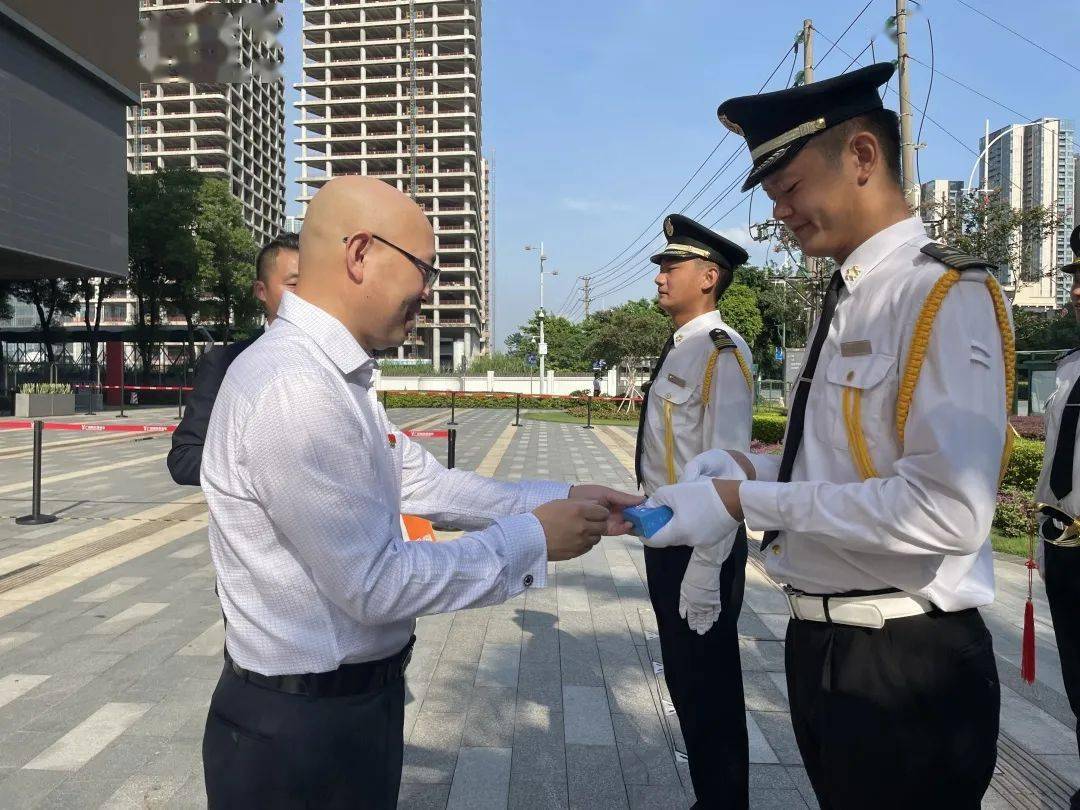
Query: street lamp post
{"points": [[542, 348]]}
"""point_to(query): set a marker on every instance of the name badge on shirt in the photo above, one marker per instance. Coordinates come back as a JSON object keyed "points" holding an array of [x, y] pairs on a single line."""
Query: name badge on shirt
{"points": [[679, 381], [855, 348]]}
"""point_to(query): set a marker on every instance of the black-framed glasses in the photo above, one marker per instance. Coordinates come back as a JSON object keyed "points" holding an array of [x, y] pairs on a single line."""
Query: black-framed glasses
{"points": [[429, 271]]}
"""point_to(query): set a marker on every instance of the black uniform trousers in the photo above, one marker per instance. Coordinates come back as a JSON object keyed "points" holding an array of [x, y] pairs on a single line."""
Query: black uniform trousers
{"points": [[1062, 579], [901, 717], [704, 676], [268, 749]]}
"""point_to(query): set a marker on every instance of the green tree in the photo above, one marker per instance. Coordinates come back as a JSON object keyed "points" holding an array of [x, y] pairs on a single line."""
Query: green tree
{"points": [[92, 293], [984, 225], [162, 256], [740, 309], [54, 299], [1043, 331], [506, 364], [628, 335], [226, 259], [781, 302], [565, 339]]}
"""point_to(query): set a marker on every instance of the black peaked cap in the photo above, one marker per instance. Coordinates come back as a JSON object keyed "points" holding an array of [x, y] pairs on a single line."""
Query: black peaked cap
{"points": [[777, 125], [692, 240]]}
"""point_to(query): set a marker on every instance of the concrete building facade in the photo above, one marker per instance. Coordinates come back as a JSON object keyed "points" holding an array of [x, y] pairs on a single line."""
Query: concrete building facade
{"points": [[938, 198], [1032, 165], [232, 131], [392, 89]]}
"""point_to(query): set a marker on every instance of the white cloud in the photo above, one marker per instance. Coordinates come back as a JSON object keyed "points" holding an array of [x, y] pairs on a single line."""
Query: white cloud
{"points": [[583, 206], [739, 235]]}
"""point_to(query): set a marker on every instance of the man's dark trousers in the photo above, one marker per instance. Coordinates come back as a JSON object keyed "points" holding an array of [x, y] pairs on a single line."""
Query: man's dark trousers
{"points": [[1062, 576], [268, 749], [905, 716], [704, 676]]}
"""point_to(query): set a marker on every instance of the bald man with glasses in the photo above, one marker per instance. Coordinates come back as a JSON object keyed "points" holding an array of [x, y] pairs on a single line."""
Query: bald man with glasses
{"points": [[305, 477]]}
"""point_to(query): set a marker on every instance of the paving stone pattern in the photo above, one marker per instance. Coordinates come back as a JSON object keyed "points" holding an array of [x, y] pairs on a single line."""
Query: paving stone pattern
{"points": [[553, 700]]}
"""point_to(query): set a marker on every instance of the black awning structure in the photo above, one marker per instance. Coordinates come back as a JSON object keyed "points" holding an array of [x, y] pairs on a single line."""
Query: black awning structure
{"points": [[127, 333]]}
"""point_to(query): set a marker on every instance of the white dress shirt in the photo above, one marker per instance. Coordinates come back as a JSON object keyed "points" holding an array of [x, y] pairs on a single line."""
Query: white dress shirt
{"points": [[923, 525], [305, 488], [1068, 371], [724, 423]]}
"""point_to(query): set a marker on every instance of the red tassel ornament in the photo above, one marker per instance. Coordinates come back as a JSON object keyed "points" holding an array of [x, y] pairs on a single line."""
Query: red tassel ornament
{"points": [[1027, 647]]}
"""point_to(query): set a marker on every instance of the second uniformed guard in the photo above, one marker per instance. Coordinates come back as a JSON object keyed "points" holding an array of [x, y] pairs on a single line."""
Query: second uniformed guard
{"points": [[699, 397], [877, 516], [1058, 494]]}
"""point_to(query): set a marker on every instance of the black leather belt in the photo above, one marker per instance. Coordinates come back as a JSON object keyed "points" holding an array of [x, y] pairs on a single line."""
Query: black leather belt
{"points": [[348, 679]]}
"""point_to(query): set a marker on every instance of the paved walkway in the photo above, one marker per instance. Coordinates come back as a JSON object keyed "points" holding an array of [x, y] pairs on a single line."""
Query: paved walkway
{"points": [[110, 644]]}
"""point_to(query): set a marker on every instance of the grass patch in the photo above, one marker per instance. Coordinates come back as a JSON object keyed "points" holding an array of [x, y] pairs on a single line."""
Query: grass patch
{"points": [[1017, 546], [569, 419]]}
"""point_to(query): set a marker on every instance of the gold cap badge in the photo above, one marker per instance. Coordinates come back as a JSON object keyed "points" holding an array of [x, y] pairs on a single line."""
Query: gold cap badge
{"points": [[669, 229]]}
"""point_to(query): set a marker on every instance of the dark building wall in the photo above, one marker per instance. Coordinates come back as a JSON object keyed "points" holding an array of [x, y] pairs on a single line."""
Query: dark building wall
{"points": [[63, 181], [103, 32]]}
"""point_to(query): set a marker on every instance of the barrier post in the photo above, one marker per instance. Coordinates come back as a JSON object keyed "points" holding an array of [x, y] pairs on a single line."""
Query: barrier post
{"points": [[451, 448], [122, 415], [90, 410], [453, 409], [35, 518], [517, 412], [384, 400], [588, 414]]}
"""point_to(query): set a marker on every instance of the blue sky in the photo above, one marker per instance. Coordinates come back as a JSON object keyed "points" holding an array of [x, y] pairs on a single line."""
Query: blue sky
{"points": [[596, 113]]}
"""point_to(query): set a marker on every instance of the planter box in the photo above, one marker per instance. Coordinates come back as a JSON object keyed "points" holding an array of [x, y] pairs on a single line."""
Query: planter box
{"points": [[30, 406]]}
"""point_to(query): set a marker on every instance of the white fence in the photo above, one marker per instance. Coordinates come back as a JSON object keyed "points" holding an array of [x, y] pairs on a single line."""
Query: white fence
{"points": [[561, 385]]}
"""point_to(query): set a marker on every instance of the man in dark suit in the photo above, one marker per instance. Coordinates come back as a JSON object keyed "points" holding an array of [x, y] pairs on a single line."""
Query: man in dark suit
{"points": [[276, 270]]}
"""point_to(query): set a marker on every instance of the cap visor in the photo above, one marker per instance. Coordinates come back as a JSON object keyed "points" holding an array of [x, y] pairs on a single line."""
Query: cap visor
{"points": [[758, 174]]}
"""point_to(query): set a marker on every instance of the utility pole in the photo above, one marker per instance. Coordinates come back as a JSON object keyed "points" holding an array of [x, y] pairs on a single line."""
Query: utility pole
{"points": [[808, 78], [585, 293], [911, 188], [808, 51], [542, 349]]}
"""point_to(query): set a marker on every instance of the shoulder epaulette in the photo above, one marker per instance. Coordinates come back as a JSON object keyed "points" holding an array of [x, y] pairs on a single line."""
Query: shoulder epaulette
{"points": [[1063, 355], [721, 340], [957, 260]]}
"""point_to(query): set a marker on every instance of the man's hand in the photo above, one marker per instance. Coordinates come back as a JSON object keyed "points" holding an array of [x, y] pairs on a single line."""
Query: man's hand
{"points": [[700, 516], [719, 464], [699, 594], [612, 499], [571, 527]]}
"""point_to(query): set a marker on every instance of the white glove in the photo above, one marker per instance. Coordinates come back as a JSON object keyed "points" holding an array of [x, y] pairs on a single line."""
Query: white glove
{"points": [[699, 594], [712, 464], [699, 515]]}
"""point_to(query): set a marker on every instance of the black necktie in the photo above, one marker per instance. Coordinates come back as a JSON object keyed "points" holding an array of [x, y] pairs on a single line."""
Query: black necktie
{"points": [[1061, 483], [645, 406], [797, 417]]}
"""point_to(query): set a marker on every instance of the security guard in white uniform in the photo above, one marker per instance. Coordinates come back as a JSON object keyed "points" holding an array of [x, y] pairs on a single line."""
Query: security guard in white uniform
{"points": [[1058, 494], [699, 397], [877, 516]]}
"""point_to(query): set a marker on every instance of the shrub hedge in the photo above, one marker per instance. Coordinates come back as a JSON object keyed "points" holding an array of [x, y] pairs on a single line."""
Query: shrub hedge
{"points": [[1014, 501], [768, 427]]}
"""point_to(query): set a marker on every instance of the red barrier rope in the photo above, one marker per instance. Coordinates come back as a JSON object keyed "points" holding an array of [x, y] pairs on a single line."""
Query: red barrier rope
{"points": [[135, 387], [26, 424], [506, 395]]}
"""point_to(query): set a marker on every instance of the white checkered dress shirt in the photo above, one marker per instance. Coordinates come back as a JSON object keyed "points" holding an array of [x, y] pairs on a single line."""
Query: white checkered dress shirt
{"points": [[305, 491]]}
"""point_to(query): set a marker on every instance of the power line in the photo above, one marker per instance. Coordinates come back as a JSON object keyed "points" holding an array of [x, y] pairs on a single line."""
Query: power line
{"points": [[694, 175], [850, 24], [1014, 32], [926, 104]]}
